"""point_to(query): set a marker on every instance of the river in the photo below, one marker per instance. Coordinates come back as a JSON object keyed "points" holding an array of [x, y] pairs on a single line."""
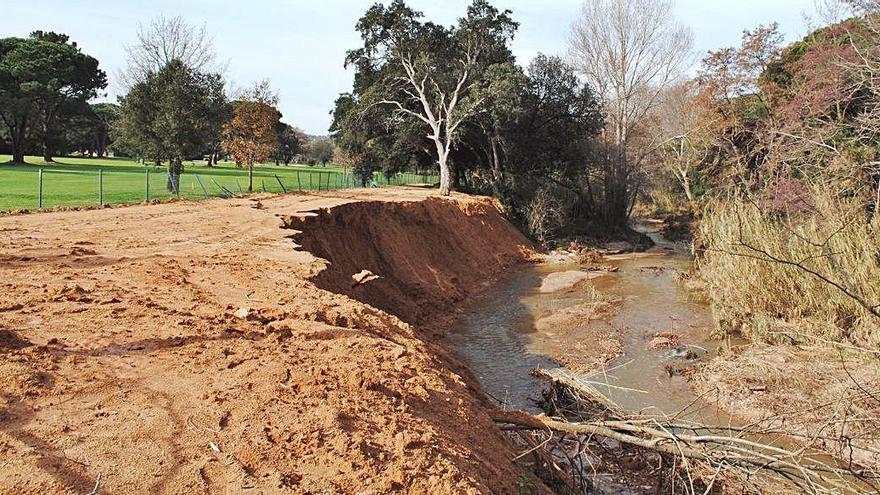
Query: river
{"points": [[498, 338]]}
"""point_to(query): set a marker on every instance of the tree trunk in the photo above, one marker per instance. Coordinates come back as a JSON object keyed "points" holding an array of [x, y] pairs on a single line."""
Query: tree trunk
{"points": [[47, 152], [686, 182], [445, 178], [100, 145], [175, 168], [496, 161], [17, 134], [251, 177], [16, 127]]}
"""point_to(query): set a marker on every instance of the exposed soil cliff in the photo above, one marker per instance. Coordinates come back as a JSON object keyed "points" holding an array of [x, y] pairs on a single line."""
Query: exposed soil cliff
{"points": [[428, 255]]}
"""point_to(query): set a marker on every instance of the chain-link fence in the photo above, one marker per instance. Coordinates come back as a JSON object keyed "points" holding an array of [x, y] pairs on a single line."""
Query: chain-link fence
{"points": [[47, 188]]}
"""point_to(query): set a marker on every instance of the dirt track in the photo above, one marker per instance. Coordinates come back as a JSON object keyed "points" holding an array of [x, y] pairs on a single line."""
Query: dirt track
{"points": [[191, 348]]}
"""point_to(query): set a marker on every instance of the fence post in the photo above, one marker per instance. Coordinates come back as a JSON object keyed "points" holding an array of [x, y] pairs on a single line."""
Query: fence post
{"points": [[204, 190], [40, 192], [147, 187], [298, 183], [225, 192], [101, 187], [263, 181], [281, 183]]}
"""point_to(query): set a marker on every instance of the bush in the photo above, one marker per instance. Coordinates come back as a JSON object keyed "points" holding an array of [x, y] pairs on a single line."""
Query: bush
{"points": [[764, 268], [544, 215]]}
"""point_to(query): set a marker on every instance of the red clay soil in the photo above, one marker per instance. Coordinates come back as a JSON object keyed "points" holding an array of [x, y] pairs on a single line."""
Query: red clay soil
{"points": [[193, 348]]}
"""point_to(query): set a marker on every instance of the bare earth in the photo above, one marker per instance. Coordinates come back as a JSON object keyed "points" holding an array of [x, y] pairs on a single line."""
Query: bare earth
{"points": [[192, 348]]}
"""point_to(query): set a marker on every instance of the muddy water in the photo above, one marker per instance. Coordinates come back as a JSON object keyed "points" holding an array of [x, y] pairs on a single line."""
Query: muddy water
{"points": [[499, 340]]}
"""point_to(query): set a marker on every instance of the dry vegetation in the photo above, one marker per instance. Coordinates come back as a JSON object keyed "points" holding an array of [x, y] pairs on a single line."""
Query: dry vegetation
{"points": [[818, 266], [826, 401]]}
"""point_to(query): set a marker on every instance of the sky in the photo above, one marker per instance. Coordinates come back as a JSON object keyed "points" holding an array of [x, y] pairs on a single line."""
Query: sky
{"points": [[300, 45]]}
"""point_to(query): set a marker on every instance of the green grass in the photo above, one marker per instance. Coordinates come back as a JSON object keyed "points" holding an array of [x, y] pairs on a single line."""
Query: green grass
{"points": [[74, 182]]}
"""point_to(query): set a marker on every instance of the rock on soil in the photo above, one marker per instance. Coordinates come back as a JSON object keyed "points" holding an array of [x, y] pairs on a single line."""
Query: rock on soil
{"points": [[619, 247], [664, 340], [558, 281], [363, 277], [195, 349]]}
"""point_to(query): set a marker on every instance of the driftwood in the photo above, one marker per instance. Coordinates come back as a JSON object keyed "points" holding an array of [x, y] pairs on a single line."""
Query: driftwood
{"points": [[730, 449]]}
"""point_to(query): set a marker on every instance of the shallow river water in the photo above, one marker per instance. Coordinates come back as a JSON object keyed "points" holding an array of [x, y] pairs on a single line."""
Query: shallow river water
{"points": [[498, 338]]}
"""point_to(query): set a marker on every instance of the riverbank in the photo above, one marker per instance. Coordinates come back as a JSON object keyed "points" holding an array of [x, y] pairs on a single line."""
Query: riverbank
{"points": [[225, 346]]}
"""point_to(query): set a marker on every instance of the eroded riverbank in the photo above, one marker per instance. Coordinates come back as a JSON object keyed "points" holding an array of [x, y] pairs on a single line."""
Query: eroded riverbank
{"points": [[223, 346]]}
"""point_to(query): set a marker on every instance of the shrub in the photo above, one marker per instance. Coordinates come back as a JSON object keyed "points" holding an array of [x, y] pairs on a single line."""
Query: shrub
{"points": [[544, 214]]}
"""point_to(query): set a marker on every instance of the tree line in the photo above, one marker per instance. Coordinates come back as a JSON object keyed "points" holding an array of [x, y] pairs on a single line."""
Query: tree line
{"points": [[176, 105], [558, 140]]}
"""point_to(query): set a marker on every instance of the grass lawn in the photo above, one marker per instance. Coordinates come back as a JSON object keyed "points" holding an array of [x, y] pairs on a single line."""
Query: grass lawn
{"points": [[75, 181]]}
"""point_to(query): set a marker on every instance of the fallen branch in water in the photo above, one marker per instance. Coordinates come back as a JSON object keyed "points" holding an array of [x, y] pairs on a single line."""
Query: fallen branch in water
{"points": [[728, 449]]}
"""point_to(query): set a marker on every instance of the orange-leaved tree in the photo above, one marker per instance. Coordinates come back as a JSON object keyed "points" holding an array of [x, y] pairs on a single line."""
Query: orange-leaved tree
{"points": [[250, 136]]}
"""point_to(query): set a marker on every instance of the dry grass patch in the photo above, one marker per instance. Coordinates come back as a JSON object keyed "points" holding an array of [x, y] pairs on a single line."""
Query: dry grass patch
{"points": [[825, 399], [819, 265]]}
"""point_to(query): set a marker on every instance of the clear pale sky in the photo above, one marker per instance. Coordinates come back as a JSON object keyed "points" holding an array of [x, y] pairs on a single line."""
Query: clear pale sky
{"points": [[300, 45]]}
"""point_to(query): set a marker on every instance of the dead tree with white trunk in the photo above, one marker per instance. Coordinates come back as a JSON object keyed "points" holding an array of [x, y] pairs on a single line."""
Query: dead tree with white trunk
{"points": [[412, 69]]}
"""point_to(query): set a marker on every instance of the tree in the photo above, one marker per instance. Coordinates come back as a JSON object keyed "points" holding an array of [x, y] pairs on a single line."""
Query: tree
{"points": [[630, 51], [549, 145], [682, 133], [291, 143], [320, 151], [41, 77], [164, 39], [163, 117], [104, 116], [89, 131], [428, 73], [250, 137], [218, 113], [730, 91]]}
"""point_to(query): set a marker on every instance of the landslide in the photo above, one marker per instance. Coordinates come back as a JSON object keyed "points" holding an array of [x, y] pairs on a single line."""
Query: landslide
{"points": [[190, 348]]}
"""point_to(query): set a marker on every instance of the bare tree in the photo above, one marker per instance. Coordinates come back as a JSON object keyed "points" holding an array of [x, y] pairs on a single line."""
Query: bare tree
{"points": [[681, 131], [441, 113], [863, 6], [164, 39], [631, 51], [829, 12]]}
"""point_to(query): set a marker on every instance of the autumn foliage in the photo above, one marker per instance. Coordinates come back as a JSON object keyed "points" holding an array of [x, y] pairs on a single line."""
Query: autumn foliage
{"points": [[250, 137]]}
